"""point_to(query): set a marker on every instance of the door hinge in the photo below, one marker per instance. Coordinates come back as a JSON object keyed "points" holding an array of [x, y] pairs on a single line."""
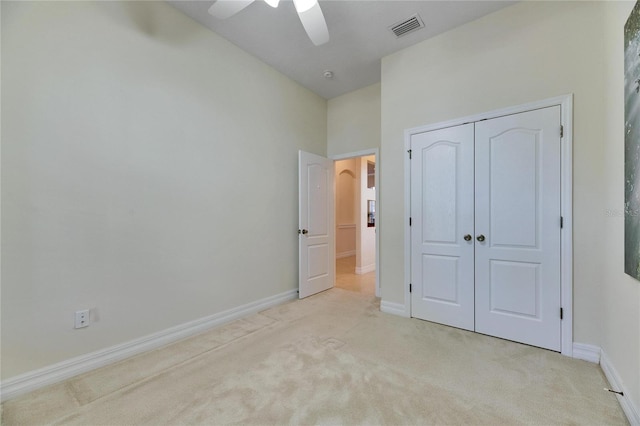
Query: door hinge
{"points": [[409, 154], [561, 313], [410, 288], [561, 222], [409, 221], [561, 131]]}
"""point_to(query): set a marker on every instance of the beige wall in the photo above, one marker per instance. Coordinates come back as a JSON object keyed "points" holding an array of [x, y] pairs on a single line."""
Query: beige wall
{"points": [[352, 195], [353, 125], [353, 121], [126, 118], [345, 177], [527, 52], [620, 294], [149, 168], [365, 235]]}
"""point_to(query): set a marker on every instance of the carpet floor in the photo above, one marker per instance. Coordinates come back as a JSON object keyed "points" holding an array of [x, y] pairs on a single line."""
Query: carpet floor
{"points": [[332, 358]]}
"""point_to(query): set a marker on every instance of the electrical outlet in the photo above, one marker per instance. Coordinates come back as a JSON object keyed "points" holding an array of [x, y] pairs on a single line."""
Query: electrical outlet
{"points": [[82, 319]]}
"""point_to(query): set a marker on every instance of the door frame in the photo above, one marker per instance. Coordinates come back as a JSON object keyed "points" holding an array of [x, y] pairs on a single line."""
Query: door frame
{"points": [[566, 205], [364, 153]]}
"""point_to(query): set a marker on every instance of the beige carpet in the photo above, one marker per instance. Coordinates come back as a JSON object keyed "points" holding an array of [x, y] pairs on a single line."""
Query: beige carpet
{"points": [[333, 358]]}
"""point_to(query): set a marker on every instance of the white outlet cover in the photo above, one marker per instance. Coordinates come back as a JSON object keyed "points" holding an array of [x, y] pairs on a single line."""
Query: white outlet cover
{"points": [[82, 319]]}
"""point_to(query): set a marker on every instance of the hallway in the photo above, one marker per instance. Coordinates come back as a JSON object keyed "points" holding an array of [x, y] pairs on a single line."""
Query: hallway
{"points": [[347, 279]]}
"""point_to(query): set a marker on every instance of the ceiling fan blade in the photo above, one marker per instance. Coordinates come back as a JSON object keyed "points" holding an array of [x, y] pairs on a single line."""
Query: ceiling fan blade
{"points": [[223, 9], [312, 20]]}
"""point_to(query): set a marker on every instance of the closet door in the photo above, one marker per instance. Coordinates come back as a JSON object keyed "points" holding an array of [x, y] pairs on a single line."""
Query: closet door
{"points": [[442, 215], [517, 206]]}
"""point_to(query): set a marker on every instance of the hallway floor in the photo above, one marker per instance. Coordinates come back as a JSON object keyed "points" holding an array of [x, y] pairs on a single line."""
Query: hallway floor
{"points": [[347, 279]]}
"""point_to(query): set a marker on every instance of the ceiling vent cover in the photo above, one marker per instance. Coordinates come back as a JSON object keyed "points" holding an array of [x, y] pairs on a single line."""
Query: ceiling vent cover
{"points": [[407, 26]]}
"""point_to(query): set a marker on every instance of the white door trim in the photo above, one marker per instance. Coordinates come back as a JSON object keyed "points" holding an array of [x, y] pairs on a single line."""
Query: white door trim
{"points": [[566, 246], [363, 153]]}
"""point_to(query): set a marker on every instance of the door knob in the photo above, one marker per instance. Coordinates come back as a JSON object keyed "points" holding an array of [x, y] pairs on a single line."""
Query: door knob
{"points": [[480, 238], [467, 237], [303, 232]]}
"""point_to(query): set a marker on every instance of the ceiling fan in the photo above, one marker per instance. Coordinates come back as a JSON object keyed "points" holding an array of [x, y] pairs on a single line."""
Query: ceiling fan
{"points": [[308, 10]]}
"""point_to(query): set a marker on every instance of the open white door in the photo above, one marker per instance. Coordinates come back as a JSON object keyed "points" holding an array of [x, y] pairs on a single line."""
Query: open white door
{"points": [[316, 230]]}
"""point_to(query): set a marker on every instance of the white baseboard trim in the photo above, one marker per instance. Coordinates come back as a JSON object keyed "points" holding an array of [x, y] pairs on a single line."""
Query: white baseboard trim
{"points": [[393, 308], [628, 406], [345, 254], [584, 352], [64, 370], [365, 269]]}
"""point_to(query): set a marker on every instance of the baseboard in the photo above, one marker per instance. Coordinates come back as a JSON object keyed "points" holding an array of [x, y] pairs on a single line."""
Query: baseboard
{"points": [[345, 254], [365, 269], [587, 352], [393, 308], [64, 370], [628, 406]]}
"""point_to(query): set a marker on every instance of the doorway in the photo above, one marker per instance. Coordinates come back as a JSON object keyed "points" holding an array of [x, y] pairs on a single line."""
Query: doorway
{"points": [[356, 223]]}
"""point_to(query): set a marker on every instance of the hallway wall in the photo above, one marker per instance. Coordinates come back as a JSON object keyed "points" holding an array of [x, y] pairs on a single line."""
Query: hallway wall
{"points": [[365, 235], [345, 177]]}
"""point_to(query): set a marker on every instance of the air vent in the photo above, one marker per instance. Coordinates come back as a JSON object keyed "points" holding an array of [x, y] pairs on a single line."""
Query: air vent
{"points": [[407, 26]]}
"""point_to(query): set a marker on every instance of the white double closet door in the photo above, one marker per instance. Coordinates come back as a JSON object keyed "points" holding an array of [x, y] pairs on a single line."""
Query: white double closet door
{"points": [[486, 227]]}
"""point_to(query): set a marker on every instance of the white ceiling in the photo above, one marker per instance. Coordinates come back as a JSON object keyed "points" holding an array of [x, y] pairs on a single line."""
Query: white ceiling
{"points": [[358, 29]]}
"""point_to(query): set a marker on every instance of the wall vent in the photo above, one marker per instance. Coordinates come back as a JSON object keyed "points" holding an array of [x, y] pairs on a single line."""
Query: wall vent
{"points": [[407, 25]]}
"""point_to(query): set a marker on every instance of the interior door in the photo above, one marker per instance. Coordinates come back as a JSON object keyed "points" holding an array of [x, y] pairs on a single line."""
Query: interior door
{"points": [[315, 234], [442, 226], [517, 206]]}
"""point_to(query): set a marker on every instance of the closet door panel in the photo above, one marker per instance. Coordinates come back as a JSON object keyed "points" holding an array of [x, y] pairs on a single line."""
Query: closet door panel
{"points": [[517, 222], [442, 214]]}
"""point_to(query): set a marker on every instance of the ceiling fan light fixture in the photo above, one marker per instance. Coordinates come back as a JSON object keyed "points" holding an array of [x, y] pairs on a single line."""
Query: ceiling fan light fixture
{"points": [[309, 12], [313, 22], [304, 5], [223, 9]]}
